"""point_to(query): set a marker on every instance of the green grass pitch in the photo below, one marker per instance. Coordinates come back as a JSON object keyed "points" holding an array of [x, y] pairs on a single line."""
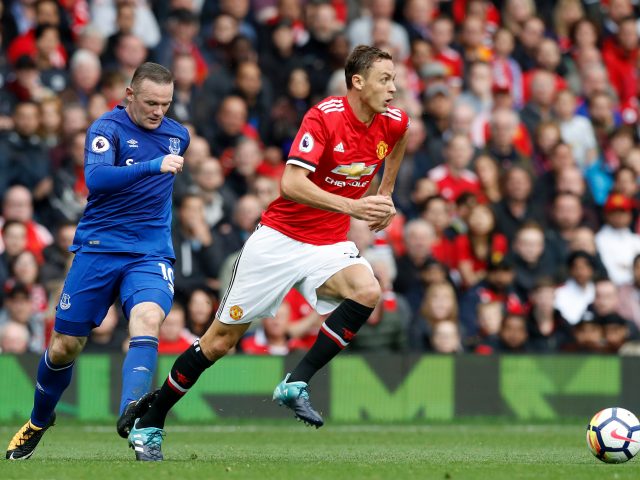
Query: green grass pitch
{"points": [[478, 450]]}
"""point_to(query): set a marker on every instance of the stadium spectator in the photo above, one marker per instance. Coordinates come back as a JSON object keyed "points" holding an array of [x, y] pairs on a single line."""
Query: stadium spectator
{"points": [[496, 286], [198, 252], [588, 336], [247, 158], [108, 337], [70, 193], [529, 36], [360, 30], [617, 331], [439, 304], [628, 305], [488, 173], [24, 269], [246, 215], [507, 74], [576, 130], [578, 291], [437, 212], [18, 307], [18, 205], [518, 205], [270, 337], [23, 154], [512, 338], [454, 177], [441, 31], [180, 37], [543, 95], [617, 245], [174, 337], [14, 338], [548, 329], [145, 24], [437, 108], [217, 196], [182, 108], [502, 145], [445, 337], [481, 243], [57, 257], [419, 237], [490, 315], [14, 237], [531, 259], [620, 54], [201, 306]]}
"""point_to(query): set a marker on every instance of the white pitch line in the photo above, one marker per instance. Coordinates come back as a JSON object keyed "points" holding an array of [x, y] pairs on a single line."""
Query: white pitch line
{"points": [[342, 428]]}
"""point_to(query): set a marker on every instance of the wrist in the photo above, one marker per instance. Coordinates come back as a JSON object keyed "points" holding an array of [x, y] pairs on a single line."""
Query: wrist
{"points": [[155, 165]]}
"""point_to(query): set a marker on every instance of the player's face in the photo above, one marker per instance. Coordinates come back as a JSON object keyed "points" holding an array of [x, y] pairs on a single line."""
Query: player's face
{"points": [[379, 86], [149, 103]]}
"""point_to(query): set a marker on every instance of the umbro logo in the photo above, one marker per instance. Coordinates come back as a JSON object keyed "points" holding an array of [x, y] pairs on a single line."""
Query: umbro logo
{"points": [[339, 148], [133, 143]]}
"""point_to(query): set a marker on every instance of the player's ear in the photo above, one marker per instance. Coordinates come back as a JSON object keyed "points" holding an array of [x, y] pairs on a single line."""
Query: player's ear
{"points": [[357, 81], [129, 94]]}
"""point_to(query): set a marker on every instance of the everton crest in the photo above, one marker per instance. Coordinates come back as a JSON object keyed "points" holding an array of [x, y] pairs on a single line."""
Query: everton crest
{"points": [[174, 145]]}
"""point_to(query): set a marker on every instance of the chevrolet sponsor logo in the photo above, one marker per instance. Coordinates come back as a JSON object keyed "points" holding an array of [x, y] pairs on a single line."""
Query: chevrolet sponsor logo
{"points": [[354, 171]]}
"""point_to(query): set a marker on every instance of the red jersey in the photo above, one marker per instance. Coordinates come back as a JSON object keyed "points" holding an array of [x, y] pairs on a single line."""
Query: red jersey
{"points": [[450, 186], [343, 155]]}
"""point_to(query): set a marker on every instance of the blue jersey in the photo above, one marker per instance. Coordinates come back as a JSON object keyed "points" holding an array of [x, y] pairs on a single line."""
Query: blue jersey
{"points": [[130, 200]]}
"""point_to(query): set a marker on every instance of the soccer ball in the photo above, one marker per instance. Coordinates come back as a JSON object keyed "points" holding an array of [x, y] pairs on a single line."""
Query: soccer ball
{"points": [[613, 435]]}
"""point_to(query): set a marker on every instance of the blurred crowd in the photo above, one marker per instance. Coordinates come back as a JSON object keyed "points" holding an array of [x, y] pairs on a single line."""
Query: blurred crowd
{"points": [[519, 223]]}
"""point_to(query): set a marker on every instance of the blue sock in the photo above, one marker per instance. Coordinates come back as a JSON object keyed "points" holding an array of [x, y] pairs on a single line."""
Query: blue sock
{"points": [[138, 369], [51, 381]]}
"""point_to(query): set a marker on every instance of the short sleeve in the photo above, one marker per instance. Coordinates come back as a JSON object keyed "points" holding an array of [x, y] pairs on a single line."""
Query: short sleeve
{"points": [[308, 146], [100, 145]]}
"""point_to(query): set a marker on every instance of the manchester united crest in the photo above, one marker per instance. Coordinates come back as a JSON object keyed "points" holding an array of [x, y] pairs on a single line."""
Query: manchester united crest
{"points": [[382, 149], [236, 312]]}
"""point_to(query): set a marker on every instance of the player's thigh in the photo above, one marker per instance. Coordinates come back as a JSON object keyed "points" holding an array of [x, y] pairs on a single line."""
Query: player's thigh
{"points": [[88, 292], [266, 269], [147, 280], [338, 273]]}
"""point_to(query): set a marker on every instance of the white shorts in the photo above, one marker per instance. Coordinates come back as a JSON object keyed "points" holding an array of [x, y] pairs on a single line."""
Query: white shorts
{"points": [[270, 264]]}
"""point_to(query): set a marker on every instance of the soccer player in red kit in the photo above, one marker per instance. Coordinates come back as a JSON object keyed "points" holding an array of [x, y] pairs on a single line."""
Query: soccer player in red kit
{"points": [[302, 241]]}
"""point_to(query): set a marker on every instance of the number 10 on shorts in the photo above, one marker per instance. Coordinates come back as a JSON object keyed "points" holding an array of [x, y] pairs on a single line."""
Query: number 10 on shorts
{"points": [[167, 274]]}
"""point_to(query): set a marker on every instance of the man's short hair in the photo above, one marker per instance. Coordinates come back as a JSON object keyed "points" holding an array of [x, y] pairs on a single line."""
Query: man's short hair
{"points": [[360, 61], [153, 72]]}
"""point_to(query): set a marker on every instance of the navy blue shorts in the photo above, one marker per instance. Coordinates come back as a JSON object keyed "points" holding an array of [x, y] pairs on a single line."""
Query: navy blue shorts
{"points": [[95, 279]]}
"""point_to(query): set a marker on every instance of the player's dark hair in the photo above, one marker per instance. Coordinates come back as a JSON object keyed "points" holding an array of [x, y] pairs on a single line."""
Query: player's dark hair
{"points": [[153, 72], [360, 61]]}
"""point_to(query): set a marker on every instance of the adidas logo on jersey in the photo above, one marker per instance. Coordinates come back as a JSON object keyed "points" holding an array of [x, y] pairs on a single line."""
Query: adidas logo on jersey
{"points": [[133, 143], [339, 148]]}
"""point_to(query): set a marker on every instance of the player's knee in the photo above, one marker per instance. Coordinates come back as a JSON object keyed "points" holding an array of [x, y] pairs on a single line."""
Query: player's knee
{"points": [[63, 349], [367, 293], [146, 320], [216, 347]]}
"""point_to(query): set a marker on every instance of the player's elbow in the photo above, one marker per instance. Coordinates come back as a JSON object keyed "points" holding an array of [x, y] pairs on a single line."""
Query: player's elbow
{"points": [[287, 189]]}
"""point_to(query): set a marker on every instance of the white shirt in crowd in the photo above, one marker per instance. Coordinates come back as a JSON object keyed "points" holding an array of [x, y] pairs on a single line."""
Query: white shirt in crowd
{"points": [[617, 248], [571, 300]]}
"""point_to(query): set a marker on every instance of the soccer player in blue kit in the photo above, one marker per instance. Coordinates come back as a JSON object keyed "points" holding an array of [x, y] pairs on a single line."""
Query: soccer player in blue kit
{"points": [[122, 246]]}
